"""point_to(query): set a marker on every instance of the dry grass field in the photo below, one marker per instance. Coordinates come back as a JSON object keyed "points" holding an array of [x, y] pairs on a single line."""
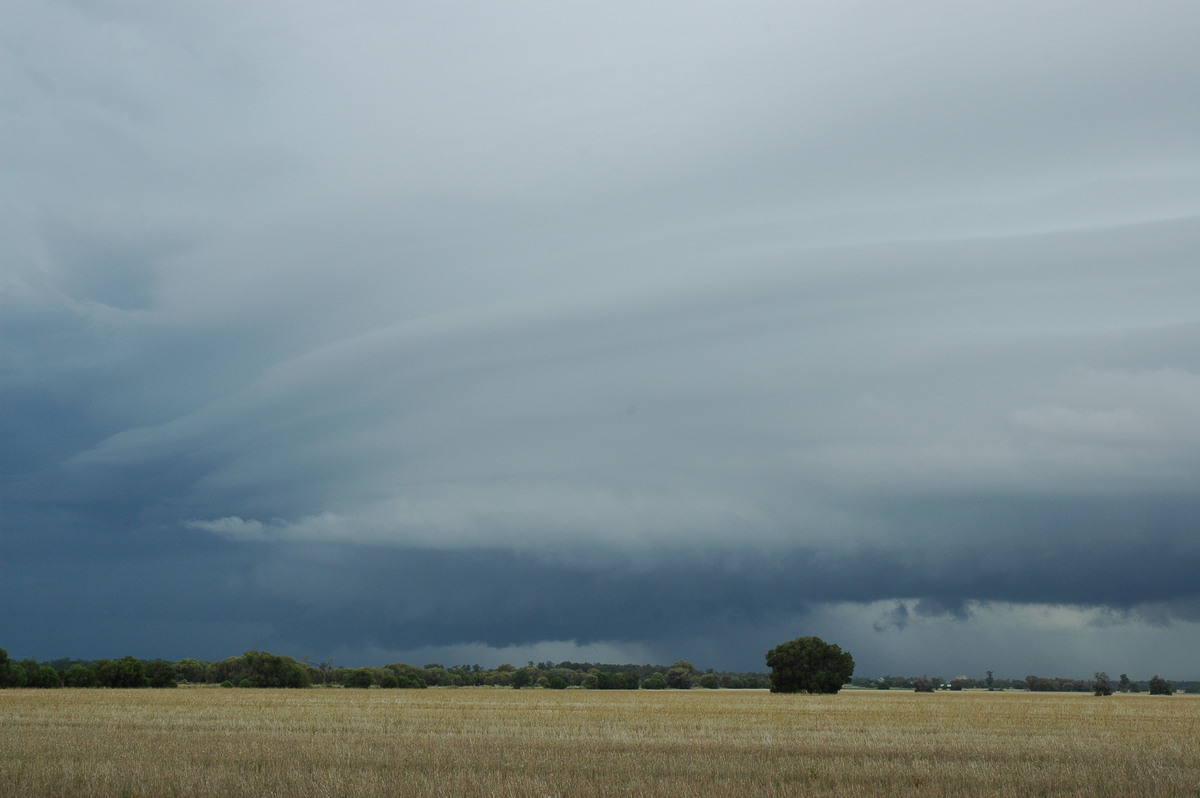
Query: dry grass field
{"points": [[479, 741]]}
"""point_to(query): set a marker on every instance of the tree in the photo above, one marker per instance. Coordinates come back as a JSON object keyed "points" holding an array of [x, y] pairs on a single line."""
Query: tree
{"points": [[1160, 686], [625, 680], [1124, 685], [655, 682], [679, 676], [43, 676], [80, 676], [809, 665], [190, 670], [125, 672], [407, 676], [1101, 685], [264, 669], [160, 673], [11, 674], [362, 677]]}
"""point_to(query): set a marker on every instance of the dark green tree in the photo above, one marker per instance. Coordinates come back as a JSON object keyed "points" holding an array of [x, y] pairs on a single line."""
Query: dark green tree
{"points": [[679, 676], [407, 676], [160, 673], [124, 672], [625, 680], [6, 677], [263, 669], [1160, 686], [43, 676], [524, 677], [80, 676], [809, 665], [191, 670], [12, 674], [9, 672], [655, 682], [1124, 684], [361, 677], [1101, 685]]}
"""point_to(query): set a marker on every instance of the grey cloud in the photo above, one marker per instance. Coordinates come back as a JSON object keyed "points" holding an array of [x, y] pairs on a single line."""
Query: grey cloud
{"points": [[407, 327]]}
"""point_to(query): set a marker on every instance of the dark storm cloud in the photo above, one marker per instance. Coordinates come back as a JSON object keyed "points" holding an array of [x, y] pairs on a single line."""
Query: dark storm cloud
{"points": [[387, 329]]}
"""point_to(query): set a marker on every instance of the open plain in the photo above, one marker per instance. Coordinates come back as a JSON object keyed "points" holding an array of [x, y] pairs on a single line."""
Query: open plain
{"points": [[502, 742]]}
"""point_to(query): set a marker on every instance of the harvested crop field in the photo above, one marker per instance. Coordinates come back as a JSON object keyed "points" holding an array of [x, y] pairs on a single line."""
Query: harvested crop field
{"points": [[480, 741]]}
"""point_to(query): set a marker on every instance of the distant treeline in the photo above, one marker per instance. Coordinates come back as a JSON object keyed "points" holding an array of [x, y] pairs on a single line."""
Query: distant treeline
{"points": [[263, 669], [1035, 684]]}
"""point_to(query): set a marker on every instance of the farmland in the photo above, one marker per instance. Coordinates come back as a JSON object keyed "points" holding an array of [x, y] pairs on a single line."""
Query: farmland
{"points": [[484, 741]]}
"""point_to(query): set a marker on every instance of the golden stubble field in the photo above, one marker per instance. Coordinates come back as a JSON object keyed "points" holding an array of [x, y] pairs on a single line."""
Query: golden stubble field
{"points": [[479, 741]]}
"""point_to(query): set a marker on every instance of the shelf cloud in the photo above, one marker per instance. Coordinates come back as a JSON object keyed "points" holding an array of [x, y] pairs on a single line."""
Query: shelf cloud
{"points": [[395, 330]]}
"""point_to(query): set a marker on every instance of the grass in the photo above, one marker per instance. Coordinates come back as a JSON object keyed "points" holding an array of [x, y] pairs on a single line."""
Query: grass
{"points": [[500, 742]]}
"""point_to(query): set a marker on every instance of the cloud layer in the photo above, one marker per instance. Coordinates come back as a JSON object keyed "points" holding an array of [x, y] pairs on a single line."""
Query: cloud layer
{"points": [[411, 329]]}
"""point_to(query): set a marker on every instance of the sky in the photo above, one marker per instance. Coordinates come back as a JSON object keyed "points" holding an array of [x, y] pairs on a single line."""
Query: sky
{"points": [[629, 332]]}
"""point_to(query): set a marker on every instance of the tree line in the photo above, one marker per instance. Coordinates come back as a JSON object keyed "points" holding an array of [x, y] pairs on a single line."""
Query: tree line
{"points": [[1099, 684], [264, 669], [802, 665]]}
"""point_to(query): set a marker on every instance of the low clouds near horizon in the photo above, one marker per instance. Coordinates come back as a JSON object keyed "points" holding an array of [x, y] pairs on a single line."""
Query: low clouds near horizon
{"points": [[603, 332]]}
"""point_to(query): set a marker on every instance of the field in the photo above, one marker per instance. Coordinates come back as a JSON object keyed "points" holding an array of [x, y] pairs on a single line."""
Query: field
{"points": [[480, 741]]}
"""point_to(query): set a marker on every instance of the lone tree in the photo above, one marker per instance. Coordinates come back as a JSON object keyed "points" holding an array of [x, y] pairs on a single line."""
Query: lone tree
{"points": [[1101, 685], [1160, 686], [809, 665]]}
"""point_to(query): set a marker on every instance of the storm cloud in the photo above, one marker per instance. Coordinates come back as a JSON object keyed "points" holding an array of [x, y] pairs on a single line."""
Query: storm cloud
{"points": [[557, 331]]}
